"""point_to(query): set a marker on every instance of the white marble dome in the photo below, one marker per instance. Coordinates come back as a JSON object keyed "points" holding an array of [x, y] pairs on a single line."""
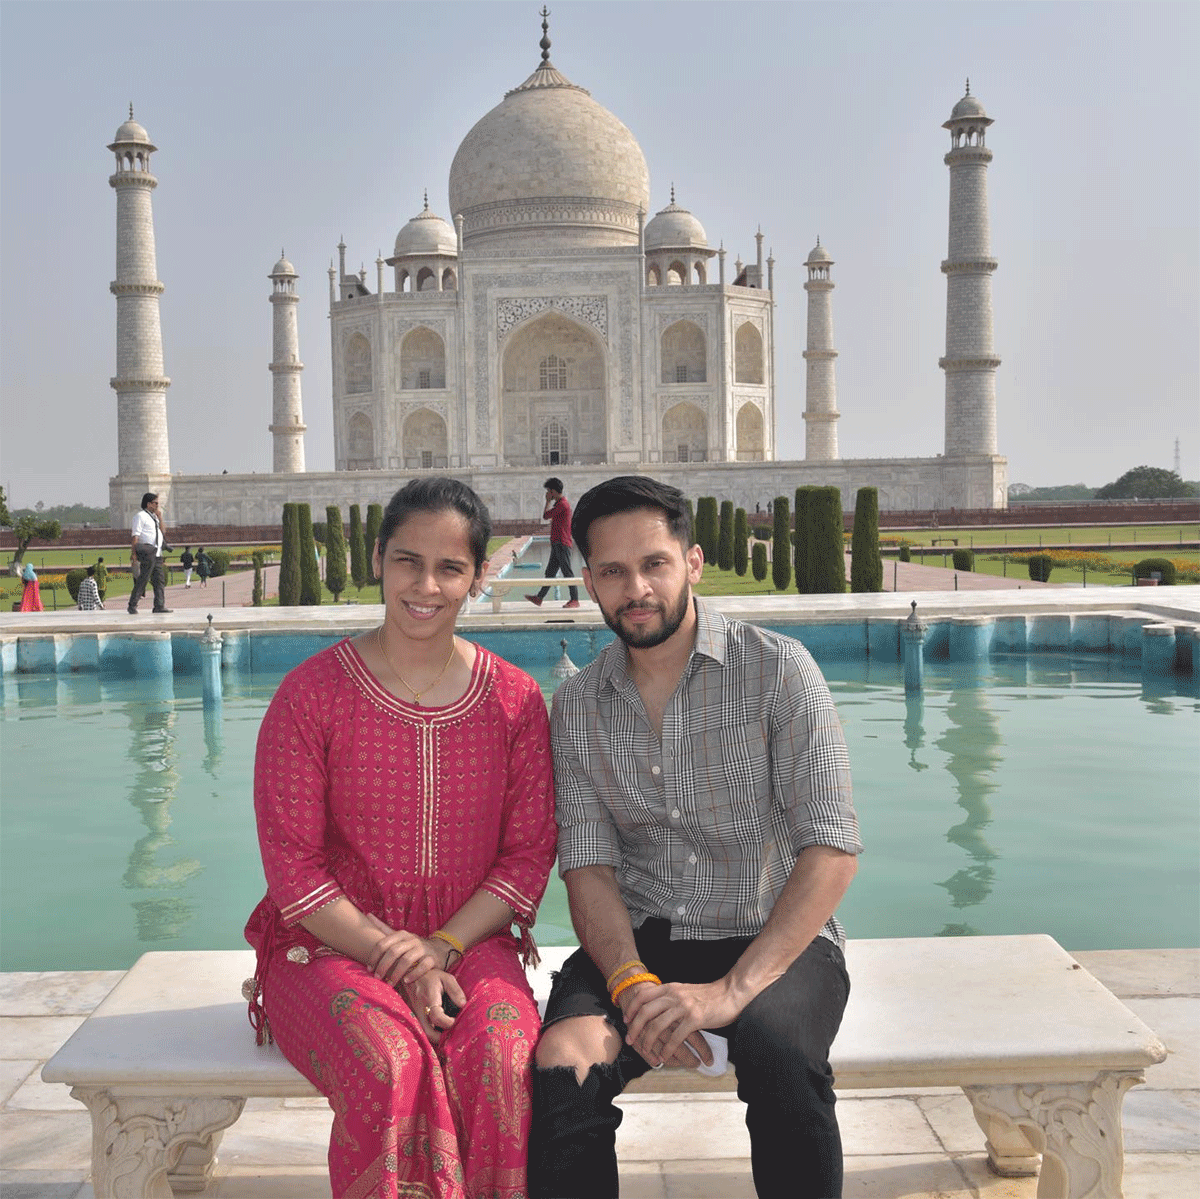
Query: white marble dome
{"points": [[674, 228], [427, 233], [283, 267], [967, 108], [548, 161], [818, 254]]}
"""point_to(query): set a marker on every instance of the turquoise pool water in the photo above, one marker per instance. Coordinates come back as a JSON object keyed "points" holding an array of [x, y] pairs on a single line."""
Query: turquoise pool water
{"points": [[1045, 794]]}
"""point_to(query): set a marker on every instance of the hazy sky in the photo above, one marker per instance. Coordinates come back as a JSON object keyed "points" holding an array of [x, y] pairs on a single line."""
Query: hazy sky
{"points": [[289, 125]]}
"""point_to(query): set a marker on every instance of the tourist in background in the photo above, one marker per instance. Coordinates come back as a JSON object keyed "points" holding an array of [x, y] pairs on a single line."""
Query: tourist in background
{"points": [[88, 599], [101, 579], [31, 593], [186, 560], [203, 566], [146, 555], [403, 791], [558, 513]]}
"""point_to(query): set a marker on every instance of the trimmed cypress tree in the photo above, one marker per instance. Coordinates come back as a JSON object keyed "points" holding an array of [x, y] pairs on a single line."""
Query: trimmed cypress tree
{"points": [[781, 546], [828, 542], [706, 527], [866, 562], [256, 596], [725, 536], [310, 570], [803, 540], [741, 541], [759, 560], [358, 552], [335, 552], [371, 536], [289, 558], [691, 510]]}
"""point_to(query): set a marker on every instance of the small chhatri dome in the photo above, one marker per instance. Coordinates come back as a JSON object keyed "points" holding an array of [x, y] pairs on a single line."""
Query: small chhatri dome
{"points": [[283, 268], [132, 133], [674, 228], [426, 234], [818, 254], [968, 108], [549, 161]]}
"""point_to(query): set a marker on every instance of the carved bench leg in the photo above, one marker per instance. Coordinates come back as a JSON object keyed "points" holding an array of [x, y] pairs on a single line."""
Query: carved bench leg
{"points": [[1077, 1126], [141, 1145], [1010, 1152]]}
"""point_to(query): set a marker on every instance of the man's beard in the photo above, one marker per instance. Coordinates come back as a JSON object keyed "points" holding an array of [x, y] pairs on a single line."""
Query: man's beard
{"points": [[645, 638]]}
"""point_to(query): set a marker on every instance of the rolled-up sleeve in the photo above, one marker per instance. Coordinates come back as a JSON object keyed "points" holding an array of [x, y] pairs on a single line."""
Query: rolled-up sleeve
{"points": [[810, 765], [586, 833]]}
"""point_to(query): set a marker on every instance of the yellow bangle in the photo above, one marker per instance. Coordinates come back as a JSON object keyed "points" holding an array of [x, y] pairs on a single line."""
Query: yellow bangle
{"points": [[612, 978], [450, 939], [633, 980]]}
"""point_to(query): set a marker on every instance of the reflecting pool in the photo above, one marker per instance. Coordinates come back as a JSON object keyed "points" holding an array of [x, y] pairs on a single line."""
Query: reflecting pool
{"points": [[1045, 794]]}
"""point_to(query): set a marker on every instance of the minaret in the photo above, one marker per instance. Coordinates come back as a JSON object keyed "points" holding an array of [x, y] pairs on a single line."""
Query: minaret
{"points": [[970, 362], [287, 416], [820, 411], [143, 452]]}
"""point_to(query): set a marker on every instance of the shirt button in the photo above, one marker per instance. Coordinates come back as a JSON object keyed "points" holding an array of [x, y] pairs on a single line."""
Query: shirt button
{"points": [[692, 858], [674, 813], [656, 770], [680, 910]]}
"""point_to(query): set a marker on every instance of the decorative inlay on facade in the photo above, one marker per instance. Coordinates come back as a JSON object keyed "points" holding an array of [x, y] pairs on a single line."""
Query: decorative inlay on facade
{"points": [[576, 209], [439, 407], [436, 325], [669, 317], [975, 264], [149, 288], [950, 365], [161, 383], [513, 310], [698, 398]]}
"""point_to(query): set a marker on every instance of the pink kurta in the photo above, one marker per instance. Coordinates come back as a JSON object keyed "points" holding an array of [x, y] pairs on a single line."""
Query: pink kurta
{"points": [[407, 812]]}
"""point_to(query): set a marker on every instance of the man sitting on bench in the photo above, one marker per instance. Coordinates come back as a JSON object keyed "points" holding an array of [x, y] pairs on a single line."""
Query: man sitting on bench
{"points": [[706, 836]]}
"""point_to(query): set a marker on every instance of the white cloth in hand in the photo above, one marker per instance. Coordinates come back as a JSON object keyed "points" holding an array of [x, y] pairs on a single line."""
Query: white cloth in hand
{"points": [[719, 1047]]}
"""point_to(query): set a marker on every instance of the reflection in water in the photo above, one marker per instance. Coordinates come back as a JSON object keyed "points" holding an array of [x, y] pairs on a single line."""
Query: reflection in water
{"points": [[153, 784], [973, 745], [914, 727], [214, 737]]}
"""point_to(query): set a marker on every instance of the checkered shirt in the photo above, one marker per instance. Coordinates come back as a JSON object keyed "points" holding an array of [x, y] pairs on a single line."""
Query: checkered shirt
{"points": [[89, 595], [703, 826]]}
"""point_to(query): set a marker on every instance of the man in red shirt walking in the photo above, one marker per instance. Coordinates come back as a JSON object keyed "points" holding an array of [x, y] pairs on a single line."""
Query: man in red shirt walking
{"points": [[558, 513]]}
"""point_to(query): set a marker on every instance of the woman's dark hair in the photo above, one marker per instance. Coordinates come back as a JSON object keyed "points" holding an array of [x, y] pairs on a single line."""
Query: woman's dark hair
{"points": [[439, 495], [626, 493]]}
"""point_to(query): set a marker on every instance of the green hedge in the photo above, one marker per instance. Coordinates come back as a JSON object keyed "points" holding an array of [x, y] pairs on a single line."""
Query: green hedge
{"points": [[725, 536], [1142, 570], [335, 552], [964, 560], [866, 562], [758, 560], [905, 553], [706, 527], [781, 542], [310, 568], [741, 542], [289, 558], [220, 560], [358, 548], [1040, 566], [828, 556], [371, 536], [802, 541], [74, 578]]}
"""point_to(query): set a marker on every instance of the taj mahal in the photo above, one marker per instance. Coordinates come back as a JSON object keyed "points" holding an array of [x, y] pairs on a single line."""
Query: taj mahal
{"points": [[554, 326]]}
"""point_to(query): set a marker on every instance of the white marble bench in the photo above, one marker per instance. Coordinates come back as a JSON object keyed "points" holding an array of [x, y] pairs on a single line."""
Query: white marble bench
{"points": [[499, 587], [1042, 1050]]}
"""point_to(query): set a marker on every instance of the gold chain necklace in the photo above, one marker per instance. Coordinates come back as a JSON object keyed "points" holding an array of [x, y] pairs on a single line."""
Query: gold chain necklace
{"points": [[391, 666]]}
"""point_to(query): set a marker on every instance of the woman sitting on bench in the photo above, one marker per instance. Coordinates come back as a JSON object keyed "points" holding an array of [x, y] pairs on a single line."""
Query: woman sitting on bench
{"points": [[404, 799]]}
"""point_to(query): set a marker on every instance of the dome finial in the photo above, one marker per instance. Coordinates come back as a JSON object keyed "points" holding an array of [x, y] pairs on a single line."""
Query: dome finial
{"points": [[427, 199], [672, 193], [545, 42], [131, 110], [968, 85]]}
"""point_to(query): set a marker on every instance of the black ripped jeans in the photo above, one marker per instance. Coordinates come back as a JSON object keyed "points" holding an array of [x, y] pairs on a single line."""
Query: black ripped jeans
{"points": [[780, 1045]]}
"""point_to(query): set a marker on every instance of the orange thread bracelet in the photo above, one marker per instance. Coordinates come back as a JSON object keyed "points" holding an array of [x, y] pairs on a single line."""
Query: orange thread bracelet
{"points": [[451, 940], [612, 978], [632, 980]]}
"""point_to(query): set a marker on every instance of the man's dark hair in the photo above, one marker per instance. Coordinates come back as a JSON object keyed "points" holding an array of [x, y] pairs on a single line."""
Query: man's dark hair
{"points": [[91, 570], [553, 484], [439, 495], [149, 498], [627, 493]]}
